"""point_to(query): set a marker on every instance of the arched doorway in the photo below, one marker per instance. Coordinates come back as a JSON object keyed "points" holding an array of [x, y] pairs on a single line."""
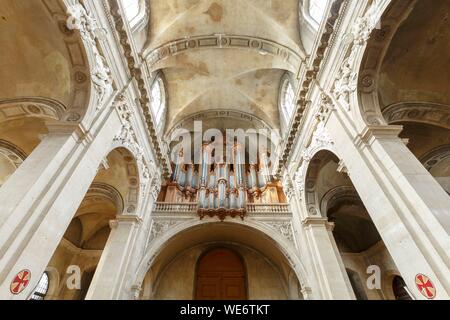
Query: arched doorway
{"points": [[220, 276]]}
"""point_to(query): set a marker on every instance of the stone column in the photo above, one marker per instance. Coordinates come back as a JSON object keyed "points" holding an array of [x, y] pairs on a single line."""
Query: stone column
{"points": [[318, 250], [409, 208], [326, 261], [113, 263], [40, 199]]}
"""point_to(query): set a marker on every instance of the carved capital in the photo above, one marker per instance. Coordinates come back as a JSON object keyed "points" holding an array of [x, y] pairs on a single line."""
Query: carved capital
{"points": [[377, 132], [317, 221], [125, 219]]}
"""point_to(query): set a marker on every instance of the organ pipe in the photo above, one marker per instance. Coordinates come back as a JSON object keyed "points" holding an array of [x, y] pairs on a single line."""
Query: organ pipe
{"points": [[222, 186]]}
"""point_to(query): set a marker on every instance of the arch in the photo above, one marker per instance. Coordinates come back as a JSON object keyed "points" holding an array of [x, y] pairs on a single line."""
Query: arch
{"points": [[107, 192], [54, 284], [132, 170], [60, 86], [435, 114], [11, 157], [395, 13], [435, 156], [312, 168], [280, 247], [390, 93], [388, 286], [338, 194]]}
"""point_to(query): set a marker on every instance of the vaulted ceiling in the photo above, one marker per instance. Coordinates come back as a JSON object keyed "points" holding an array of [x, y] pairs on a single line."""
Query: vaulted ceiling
{"points": [[223, 54], [416, 65]]}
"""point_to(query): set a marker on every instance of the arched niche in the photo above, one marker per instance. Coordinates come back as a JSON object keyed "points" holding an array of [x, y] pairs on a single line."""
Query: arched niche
{"points": [[179, 253], [401, 74], [59, 85]]}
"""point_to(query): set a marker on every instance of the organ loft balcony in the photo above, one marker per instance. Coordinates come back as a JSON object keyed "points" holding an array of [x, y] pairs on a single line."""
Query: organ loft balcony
{"points": [[235, 189]]}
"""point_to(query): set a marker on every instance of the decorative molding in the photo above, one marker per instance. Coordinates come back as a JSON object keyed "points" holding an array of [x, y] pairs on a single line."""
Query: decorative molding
{"points": [[31, 107], [422, 112], [127, 138], [99, 191], [377, 132], [136, 291], [288, 187], [309, 222], [346, 81], [222, 41], [133, 219], [160, 226], [126, 135], [309, 76], [342, 168], [321, 140], [78, 58], [284, 228], [256, 122], [374, 51], [435, 156], [12, 152], [79, 19], [138, 72], [338, 194], [299, 181], [222, 213]]}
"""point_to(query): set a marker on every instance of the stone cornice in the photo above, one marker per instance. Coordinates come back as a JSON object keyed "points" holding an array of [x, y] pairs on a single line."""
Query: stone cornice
{"points": [[257, 123], [223, 41], [314, 221], [423, 112], [125, 219], [379, 132]]}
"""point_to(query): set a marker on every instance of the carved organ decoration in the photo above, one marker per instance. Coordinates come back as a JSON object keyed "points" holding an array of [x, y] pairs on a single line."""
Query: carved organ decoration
{"points": [[223, 189]]}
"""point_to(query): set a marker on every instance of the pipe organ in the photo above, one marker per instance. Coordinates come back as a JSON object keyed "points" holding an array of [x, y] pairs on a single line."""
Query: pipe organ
{"points": [[222, 189]]}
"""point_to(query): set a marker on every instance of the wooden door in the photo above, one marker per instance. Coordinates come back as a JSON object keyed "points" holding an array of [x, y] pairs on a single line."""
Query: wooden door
{"points": [[220, 276]]}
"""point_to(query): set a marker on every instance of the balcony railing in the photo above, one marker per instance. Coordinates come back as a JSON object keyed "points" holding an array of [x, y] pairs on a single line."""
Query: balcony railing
{"points": [[176, 207], [268, 208], [191, 207]]}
